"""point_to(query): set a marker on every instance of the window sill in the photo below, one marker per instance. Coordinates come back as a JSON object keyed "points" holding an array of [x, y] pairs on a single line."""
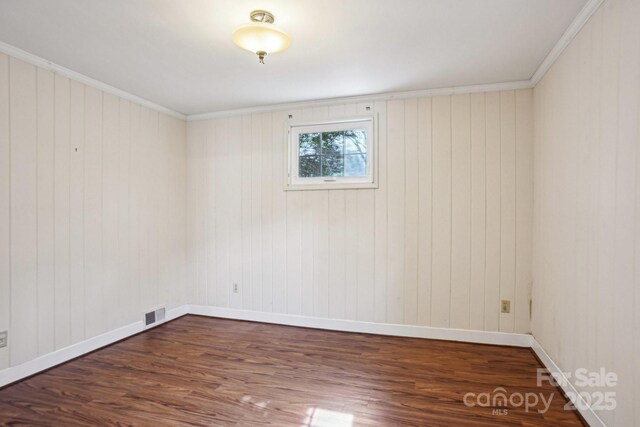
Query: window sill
{"points": [[332, 186]]}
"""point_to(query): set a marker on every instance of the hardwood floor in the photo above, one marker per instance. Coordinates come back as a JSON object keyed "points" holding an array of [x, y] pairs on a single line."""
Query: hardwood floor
{"points": [[216, 372]]}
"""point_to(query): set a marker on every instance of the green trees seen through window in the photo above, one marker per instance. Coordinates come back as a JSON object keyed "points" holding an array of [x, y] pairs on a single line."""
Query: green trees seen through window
{"points": [[337, 153]]}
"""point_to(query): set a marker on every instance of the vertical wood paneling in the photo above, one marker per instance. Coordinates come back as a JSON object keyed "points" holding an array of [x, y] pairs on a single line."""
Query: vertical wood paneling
{"points": [[507, 206], [278, 141], [76, 212], [478, 211], [74, 220], [269, 180], [416, 250], [565, 162], [94, 273], [586, 205], [179, 167], [205, 221], [524, 208], [609, 137], [152, 209], [460, 210], [125, 290], [61, 166], [24, 219], [425, 175], [366, 239], [163, 266], [218, 283], [110, 179], [135, 193], [395, 211], [143, 198], [626, 173], [235, 220], [337, 283], [583, 46], [194, 131], [593, 103], [321, 250], [64, 234], [381, 218], [255, 187], [308, 253], [493, 214], [294, 251], [351, 254], [411, 180], [5, 207], [248, 234], [45, 191], [441, 246]]}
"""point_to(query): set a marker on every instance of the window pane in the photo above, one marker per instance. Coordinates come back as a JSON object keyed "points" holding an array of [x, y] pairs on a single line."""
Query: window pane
{"points": [[355, 141], [332, 144], [309, 166], [355, 165], [332, 165], [309, 143]]}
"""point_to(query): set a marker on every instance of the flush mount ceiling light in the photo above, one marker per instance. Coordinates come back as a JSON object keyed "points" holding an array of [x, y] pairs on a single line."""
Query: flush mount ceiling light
{"points": [[261, 36]]}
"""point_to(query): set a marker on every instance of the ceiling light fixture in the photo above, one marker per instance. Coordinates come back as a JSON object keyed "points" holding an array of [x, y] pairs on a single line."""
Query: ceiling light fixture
{"points": [[261, 36]]}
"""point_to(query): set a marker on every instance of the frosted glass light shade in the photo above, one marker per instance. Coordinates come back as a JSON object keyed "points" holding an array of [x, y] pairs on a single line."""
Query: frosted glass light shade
{"points": [[261, 37]]}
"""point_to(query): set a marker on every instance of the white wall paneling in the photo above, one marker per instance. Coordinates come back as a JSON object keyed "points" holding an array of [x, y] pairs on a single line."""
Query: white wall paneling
{"points": [[61, 212], [439, 243], [586, 235], [92, 211], [24, 204], [45, 202], [5, 207], [441, 212]]}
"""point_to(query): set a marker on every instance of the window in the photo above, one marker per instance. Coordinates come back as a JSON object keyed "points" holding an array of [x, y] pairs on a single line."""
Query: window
{"points": [[332, 154]]}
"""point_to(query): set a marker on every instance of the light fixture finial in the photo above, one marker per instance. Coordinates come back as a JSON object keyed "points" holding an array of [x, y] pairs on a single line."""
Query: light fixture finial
{"points": [[262, 16]]}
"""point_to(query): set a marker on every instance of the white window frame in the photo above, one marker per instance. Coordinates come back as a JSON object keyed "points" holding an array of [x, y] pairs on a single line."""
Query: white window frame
{"points": [[294, 129]]}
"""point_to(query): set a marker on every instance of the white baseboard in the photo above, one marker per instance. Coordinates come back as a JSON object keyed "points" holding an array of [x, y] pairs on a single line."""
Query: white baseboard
{"points": [[480, 337], [585, 410], [24, 370]]}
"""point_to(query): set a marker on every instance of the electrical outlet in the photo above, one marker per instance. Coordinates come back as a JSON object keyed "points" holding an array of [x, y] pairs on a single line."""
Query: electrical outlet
{"points": [[235, 288], [505, 306], [4, 337]]}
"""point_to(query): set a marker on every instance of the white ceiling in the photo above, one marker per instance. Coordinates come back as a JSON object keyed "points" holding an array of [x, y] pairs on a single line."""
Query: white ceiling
{"points": [[179, 54]]}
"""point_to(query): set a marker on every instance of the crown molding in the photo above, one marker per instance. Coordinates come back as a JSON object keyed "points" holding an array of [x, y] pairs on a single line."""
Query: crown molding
{"points": [[578, 22], [58, 69], [574, 28], [386, 96], [576, 25]]}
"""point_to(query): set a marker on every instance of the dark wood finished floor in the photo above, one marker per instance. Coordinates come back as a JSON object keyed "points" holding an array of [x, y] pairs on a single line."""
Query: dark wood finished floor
{"points": [[215, 372]]}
